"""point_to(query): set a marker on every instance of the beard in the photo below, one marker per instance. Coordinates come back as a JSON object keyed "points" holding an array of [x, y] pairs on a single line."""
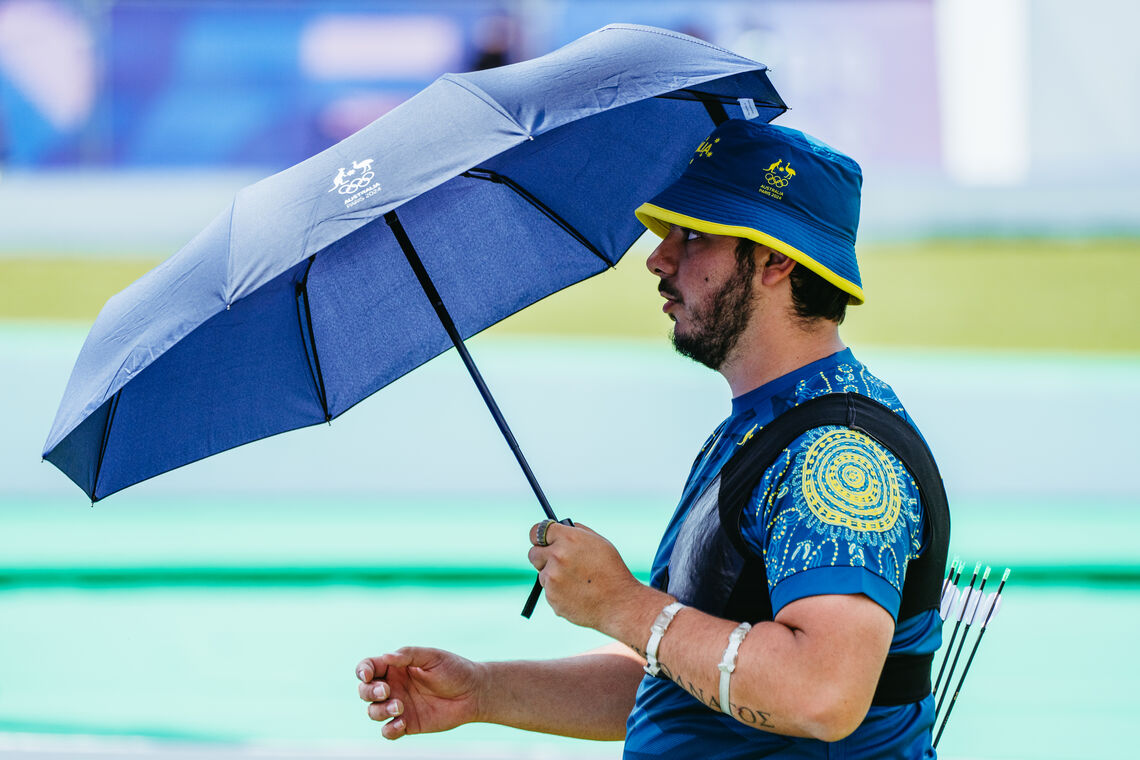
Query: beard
{"points": [[716, 326]]}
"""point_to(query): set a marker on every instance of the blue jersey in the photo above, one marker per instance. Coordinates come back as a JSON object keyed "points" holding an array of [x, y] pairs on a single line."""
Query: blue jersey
{"points": [[835, 514]]}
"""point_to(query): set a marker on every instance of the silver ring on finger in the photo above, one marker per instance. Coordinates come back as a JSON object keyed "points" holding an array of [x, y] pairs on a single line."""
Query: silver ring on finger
{"points": [[540, 534]]}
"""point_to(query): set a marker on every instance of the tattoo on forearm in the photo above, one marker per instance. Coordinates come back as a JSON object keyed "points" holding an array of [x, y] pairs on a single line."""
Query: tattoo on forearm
{"points": [[748, 715]]}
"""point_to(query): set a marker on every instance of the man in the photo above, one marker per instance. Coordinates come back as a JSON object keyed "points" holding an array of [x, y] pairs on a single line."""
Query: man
{"points": [[757, 266]]}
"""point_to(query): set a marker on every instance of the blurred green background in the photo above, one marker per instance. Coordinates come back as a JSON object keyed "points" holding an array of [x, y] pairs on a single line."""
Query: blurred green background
{"points": [[219, 610], [1054, 294]]}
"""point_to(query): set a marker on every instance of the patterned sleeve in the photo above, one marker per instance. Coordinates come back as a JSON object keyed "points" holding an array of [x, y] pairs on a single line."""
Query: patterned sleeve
{"points": [[836, 514]]}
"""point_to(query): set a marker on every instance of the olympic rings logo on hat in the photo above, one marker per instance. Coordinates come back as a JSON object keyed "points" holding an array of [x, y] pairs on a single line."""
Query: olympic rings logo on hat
{"points": [[777, 180]]}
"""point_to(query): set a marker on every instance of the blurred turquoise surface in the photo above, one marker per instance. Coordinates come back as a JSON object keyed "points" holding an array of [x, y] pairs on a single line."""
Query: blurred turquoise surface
{"points": [[229, 601], [273, 665]]}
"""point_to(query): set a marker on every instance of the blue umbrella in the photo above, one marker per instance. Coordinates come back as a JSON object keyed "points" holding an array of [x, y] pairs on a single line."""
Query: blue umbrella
{"points": [[322, 284]]}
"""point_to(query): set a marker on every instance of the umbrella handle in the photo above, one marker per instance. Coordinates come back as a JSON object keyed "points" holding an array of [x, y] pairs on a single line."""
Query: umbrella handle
{"points": [[532, 600]]}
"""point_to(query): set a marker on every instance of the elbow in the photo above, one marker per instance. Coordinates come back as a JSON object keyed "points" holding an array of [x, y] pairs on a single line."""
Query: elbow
{"points": [[834, 717], [834, 731]]}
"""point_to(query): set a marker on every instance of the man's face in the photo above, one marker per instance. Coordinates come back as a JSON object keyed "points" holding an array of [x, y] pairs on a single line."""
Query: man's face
{"points": [[708, 292]]}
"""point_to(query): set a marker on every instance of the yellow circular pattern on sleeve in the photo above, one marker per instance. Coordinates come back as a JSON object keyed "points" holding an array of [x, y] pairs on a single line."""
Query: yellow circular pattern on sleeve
{"points": [[848, 480]]}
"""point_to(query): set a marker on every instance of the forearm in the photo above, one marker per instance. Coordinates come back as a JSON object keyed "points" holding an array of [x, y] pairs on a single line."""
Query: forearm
{"points": [[768, 688], [810, 672], [691, 650], [786, 681], [586, 697]]}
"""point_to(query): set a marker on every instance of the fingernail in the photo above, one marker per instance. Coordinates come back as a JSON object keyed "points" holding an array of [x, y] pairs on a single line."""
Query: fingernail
{"points": [[360, 674], [395, 708], [381, 691]]}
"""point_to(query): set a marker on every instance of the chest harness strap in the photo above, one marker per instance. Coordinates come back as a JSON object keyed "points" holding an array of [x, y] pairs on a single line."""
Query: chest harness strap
{"points": [[905, 678]]}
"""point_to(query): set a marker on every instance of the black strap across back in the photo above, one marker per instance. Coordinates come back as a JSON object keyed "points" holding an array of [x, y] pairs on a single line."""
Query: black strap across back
{"points": [[905, 678]]}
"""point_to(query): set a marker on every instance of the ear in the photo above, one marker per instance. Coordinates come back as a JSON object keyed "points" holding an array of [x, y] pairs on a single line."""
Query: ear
{"points": [[776, 268]]}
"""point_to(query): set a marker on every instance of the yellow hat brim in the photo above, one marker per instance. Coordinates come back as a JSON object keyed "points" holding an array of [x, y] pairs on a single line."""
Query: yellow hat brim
{"points": [[658, 220]]}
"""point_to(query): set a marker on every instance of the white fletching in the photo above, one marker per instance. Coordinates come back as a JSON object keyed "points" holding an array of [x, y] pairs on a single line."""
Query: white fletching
{"points": [[971, 605], [996, 609], [948, 598], [983, 608], [960, 604]]}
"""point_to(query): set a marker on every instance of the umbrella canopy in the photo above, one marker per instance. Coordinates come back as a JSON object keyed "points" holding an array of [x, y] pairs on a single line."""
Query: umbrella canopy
{"points": [[301, 298]]}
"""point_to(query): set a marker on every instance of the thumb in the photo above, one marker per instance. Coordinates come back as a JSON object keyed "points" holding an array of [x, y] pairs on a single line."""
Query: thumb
{"points": [[402, 657]]}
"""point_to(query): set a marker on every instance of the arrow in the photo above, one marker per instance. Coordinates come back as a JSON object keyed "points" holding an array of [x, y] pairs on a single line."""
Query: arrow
{"points": [[966, 612], [993, 604], [964, 600]]}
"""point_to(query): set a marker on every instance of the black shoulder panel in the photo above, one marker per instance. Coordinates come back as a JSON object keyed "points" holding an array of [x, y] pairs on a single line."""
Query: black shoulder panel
{"points": [[742, 473]]}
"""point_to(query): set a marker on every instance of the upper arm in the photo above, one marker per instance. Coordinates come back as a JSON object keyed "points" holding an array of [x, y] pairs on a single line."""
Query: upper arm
{"points": [[848, 635], [844, 640], [836, 519]]}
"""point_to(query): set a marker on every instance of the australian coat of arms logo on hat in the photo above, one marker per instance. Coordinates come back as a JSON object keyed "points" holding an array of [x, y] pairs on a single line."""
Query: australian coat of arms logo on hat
{"points": [[777, 186]]}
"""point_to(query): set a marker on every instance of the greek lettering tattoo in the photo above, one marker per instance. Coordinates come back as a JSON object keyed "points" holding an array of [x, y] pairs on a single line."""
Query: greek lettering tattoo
{"points": [[752, 717], [747, 715]]}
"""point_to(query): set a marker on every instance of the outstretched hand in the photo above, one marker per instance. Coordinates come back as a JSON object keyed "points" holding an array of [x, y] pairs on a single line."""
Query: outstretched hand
{"points": [[419, 690]]}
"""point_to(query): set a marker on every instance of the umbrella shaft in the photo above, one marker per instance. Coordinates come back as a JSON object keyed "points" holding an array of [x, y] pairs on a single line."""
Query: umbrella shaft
{"points": [[453, 333]]}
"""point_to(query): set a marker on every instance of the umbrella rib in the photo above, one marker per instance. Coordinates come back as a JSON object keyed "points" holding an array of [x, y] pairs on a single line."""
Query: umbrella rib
{"points": [[715, 104], [103, 443], [493, 176], [311, 339], [691, 94]]}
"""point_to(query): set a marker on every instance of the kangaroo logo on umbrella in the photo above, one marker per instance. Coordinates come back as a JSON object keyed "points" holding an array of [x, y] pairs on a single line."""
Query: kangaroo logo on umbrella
{"points": [[352, 182], [345, 186]]}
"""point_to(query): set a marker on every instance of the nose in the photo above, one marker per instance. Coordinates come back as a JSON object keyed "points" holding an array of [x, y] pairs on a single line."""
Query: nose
{"points": [[663, 261]]}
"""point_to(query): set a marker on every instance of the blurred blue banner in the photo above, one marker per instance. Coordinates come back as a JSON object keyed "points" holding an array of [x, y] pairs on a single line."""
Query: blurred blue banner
{"points": [[164, 84], [161, 84]]}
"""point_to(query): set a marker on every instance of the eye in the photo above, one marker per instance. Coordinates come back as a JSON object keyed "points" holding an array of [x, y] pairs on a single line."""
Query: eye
{"points": [[691, 234]]}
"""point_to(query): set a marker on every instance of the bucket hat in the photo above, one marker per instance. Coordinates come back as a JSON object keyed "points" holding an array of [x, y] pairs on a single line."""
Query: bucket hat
{"points": [[776, 186]]}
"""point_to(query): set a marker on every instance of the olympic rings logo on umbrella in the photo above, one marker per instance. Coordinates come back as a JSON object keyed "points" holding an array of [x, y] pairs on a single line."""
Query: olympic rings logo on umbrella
{"points": [[356, 185], [345, 186]]}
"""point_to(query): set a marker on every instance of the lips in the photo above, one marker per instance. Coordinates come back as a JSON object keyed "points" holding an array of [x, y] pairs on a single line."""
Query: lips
{"points": [[671, 296]]}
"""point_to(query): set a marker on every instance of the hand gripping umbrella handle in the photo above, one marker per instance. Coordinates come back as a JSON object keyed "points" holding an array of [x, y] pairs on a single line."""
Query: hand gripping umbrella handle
{"points": [[532, 600]]}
